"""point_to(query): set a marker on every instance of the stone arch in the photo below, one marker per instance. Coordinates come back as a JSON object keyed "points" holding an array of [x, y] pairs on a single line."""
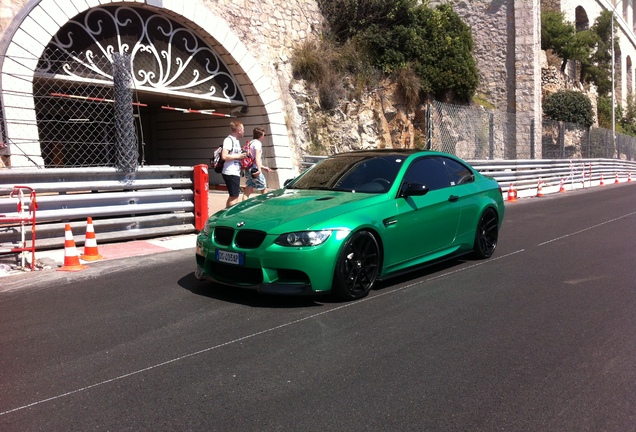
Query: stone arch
{"points": [[581, 19], [39, 21]]}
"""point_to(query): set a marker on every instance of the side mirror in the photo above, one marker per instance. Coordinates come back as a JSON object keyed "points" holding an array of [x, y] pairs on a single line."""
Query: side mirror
{"points": [[413, 189]]}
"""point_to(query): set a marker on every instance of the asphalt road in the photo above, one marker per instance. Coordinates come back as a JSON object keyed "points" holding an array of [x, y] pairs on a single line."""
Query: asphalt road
{"points": [[542, 337]]}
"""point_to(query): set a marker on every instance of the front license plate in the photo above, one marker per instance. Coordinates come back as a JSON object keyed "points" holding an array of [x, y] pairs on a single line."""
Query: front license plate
{"points": [[227, 257]]}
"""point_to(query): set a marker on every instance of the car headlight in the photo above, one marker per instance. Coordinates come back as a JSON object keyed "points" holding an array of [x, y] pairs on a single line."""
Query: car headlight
{"points": [[303, 238]]}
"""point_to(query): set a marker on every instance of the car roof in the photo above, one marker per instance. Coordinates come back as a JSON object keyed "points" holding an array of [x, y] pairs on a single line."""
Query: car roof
{"points": [[388, 151], [380, 152]]}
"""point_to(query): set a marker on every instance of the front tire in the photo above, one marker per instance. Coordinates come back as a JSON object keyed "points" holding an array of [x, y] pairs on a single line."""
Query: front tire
{"points": [[487, 234], [357, 267]]}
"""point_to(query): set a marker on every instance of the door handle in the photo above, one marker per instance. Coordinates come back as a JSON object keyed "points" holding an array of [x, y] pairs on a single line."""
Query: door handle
{"points": [[453, 198]]}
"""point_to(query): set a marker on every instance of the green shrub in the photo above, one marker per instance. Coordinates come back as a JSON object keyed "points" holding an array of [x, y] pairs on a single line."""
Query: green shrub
{"points": [[569, 106], [401, 34]]}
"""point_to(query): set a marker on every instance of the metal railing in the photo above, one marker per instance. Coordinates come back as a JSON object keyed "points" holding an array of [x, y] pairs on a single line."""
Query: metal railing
{"points": [[154, 201], [526, 173]]}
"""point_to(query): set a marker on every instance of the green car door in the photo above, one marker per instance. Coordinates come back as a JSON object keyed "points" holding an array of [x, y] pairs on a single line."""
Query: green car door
{"points": [[423, 224]]}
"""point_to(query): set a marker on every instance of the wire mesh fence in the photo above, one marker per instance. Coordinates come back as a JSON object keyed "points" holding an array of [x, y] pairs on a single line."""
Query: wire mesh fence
{"points": [[465, 132], [476, 133], [567, 140], [82, 122]]}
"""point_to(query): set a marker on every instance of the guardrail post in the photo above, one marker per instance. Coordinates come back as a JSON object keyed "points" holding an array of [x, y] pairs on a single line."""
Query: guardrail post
{"points": [[201, 189]]}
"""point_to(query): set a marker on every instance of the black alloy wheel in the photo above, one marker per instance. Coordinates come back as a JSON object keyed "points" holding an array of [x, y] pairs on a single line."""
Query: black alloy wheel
{"points": [[357, 267], [487, 234]]}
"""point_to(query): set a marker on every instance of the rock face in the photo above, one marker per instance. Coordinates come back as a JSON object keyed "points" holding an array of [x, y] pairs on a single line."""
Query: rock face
{"points": [[378, 119], [506, 36]]}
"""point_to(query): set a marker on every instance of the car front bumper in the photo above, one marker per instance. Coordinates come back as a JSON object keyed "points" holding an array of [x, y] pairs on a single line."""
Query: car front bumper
{"points": [[272, 268]]}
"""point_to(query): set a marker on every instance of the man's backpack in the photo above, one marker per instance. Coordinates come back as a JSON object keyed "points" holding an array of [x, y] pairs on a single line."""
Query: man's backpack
{"points": [[249, 160], [217, 161]]}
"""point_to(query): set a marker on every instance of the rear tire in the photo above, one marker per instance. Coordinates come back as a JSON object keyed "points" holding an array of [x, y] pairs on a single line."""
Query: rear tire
{"points": [[357, 266], [487, 234]]}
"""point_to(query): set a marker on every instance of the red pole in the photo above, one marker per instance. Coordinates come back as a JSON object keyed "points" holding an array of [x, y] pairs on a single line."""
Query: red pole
{"points": [[201, 188]]}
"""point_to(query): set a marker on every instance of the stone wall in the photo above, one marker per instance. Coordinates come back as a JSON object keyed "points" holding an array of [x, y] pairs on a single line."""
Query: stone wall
{"points": [[492, 25], [271, 29], [507, 37]]}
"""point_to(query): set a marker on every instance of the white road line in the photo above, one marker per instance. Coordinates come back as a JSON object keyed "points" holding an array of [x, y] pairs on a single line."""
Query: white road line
{"points": [[269, 330], [475, 265], [587, 229], [177, 359]]}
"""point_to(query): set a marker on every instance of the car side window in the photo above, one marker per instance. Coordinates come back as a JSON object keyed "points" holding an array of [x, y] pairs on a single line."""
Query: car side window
{"points": [[458, 173], [428, 171]]}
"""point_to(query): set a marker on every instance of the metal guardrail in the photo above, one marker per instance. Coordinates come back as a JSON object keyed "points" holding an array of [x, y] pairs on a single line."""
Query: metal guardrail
{"points": [[159, 200], [154, 201], [526, 173]]}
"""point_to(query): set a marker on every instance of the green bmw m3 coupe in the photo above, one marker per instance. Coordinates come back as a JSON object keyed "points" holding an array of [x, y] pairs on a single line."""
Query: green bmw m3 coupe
{"points": [[350, 220]]}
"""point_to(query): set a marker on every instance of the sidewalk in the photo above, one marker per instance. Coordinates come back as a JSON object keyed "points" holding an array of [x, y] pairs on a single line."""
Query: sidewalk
{"points": [[52, 259]]}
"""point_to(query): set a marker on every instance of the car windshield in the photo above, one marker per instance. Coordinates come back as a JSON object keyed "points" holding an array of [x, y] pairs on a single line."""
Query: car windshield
{"points": [[352, 173]]}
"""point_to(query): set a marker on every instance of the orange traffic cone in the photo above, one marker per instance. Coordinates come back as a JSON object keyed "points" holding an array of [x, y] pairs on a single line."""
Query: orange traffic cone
{"points": [[616, 179], [562, 187], [71, 260], [629, 177], [90, 244], [540, 188], [602, 182], [512, 193]]}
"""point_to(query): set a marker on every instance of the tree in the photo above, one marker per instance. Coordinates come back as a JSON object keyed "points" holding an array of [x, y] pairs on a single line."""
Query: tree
{"points": [[591, 48], [569, 106], [400, 34], [347, 18], [628, 121], [598, 67], [557, 34]]}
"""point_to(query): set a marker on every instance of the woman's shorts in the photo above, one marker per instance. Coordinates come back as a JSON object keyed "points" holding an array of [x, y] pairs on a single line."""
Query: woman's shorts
{"points": [[257, 183]]}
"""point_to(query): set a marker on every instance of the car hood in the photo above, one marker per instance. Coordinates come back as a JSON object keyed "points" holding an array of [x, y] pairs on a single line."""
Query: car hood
{"points": [[287, 210]]}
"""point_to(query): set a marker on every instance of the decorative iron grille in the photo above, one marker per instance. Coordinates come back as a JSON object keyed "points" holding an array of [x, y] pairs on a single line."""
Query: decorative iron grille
{"points": [[167, 57]]}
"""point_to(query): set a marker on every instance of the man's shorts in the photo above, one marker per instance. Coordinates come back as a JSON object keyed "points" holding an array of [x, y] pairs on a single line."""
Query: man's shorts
{"points": [[233, 183]]}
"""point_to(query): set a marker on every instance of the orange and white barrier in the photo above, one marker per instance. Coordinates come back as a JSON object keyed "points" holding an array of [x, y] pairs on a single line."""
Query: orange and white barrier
{"points": [[90, 243], [512, 193], [562, 187], [71, 259], [540, 188]]}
